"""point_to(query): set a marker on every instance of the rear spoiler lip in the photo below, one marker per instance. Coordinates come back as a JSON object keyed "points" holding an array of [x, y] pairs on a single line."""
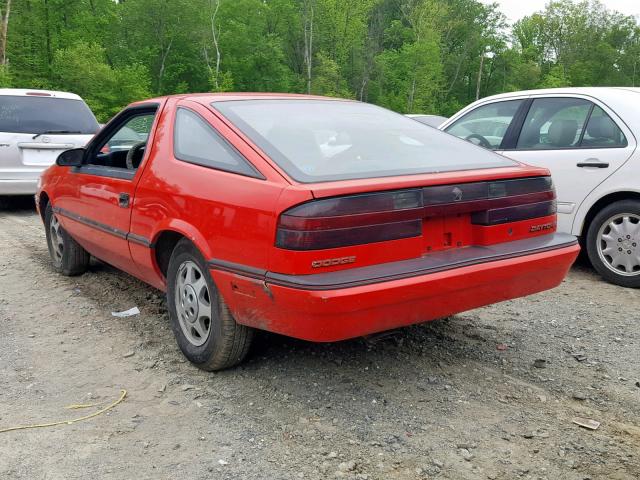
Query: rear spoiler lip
{"points": [[377, 184]]}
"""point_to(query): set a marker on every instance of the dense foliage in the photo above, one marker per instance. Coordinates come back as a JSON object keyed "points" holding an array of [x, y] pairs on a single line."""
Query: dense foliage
{"points": [[409, 55]]}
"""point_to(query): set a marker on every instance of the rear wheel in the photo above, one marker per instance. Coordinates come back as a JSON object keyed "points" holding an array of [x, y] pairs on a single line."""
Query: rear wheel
{"points": [[203, 326], [613, 243], [67, 256]]}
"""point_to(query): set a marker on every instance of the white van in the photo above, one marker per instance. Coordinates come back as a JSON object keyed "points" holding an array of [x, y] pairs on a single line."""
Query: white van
{"points": [[35, 127]]}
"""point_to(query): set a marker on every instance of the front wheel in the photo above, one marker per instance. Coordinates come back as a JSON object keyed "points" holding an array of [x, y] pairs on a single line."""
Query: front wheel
{"points": [[67, 256], [203, 326], [613, 243]]}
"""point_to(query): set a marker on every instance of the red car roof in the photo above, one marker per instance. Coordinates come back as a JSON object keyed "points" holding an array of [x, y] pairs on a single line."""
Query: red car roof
{"points": [[206, 98]]}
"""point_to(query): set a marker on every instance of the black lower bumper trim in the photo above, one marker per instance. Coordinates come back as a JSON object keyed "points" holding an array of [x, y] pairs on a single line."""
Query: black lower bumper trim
{"points": [[431, 263]]}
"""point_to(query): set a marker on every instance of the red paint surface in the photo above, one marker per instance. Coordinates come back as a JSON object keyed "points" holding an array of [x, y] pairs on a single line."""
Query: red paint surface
{"points": [[233, 218], [325, 316]]}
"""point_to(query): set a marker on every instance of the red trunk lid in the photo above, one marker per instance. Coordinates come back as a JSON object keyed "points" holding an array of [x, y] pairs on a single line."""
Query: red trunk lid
{"points": [[458, 209]]}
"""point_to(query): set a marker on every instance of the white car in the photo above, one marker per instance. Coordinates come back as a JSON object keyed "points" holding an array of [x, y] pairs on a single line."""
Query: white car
{"points": [[587, 138], [35, 127]]}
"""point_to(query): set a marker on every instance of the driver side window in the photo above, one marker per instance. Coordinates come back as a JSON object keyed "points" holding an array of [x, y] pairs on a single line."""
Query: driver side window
{"points": [[486, 125], [125, 147]]}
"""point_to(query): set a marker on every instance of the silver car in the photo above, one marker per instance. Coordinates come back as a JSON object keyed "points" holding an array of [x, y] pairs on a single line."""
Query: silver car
{"points": [[588, 138], [35, 127]]}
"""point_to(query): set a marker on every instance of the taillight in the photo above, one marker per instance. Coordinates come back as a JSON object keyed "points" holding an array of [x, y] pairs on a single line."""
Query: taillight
{"points": [[492, 203], [376, 217], [496, 216], [352, 220]]}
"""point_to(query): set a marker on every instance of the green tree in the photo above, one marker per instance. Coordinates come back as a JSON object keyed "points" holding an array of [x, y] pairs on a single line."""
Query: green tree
{"points": [[328, 80], [410, 55], [579, 43], [5, 77], [83, 70]]}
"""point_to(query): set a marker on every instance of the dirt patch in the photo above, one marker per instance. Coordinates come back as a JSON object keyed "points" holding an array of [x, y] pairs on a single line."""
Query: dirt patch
{"points": [[488, 394]]}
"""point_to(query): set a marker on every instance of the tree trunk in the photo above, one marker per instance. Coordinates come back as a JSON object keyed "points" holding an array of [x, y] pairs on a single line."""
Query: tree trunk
{"points": [[4, 28], [479, 76], [363, 86], [215, 34], [48, 34], [162, 65], [412, 94], [308, 40]]}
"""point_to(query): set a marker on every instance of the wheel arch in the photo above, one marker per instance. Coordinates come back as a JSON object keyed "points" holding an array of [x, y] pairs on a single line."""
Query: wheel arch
{"points": [[164, 245], [167, 237], [602, 203], [43, 201]]}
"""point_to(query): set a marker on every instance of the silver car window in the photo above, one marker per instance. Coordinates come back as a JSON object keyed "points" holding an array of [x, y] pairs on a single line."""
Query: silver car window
{"points": [[486, 125], [602, 131], [554, 123], [39, 114]]}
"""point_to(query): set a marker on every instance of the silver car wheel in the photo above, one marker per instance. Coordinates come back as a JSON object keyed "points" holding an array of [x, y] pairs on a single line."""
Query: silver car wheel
{"points": [[618, 244], [193, 303], [57, 240]]}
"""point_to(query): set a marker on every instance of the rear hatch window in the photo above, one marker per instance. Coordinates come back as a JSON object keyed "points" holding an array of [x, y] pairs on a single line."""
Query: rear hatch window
{"points": [[325, 140], [34, 114]]}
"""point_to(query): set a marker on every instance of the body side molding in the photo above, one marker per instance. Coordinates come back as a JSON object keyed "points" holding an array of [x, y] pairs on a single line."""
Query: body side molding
{"points": [[131, 237]]}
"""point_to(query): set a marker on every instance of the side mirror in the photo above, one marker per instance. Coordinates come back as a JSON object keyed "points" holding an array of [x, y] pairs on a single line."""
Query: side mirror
{"points": [[71, 158]]}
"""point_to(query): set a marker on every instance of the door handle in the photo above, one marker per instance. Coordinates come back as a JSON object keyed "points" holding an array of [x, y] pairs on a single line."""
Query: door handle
{"points": [[123, 200], [593, 163]]}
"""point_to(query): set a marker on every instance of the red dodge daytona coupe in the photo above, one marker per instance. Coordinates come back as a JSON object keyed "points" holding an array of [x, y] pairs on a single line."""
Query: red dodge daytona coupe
{"points": [[318, 218]]}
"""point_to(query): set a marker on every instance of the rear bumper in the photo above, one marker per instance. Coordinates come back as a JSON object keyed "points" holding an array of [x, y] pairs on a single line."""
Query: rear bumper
{"points": [[19, 181], [18, 187], [351, 303]]}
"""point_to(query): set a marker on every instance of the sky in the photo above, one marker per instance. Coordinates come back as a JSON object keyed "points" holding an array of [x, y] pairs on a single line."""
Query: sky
{"points": [[516, 9]]}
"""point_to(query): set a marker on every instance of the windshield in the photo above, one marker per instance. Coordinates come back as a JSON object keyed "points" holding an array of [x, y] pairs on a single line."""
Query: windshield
{"points": [[31, 114], [323, 140]]}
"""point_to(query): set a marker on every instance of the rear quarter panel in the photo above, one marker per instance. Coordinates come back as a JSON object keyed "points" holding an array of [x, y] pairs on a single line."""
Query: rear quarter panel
{"points": [[227, 216]]}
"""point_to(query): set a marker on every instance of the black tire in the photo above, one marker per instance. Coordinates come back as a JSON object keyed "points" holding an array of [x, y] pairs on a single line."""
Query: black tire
{"points": [[604, 216], [70, 258], [226, 343]]}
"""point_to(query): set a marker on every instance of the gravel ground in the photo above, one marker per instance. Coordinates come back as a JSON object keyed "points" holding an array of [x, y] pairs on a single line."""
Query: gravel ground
{"points": [[488, 394]]}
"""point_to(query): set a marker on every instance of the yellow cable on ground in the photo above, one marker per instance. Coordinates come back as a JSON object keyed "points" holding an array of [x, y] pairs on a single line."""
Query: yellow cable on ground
{"points": [[78, 406], [123, 394]]}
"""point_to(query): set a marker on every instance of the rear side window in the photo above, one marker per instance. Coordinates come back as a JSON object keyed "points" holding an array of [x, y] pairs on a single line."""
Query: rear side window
{"points": [[602, 131], [33, 114], [554, 123], [560, 123], [486, 125], [195, 141]]}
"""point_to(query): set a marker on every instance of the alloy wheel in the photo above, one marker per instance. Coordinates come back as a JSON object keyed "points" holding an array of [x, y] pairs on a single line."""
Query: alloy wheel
{"points": [[57, 240], [193, 303], [619, 244]]}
